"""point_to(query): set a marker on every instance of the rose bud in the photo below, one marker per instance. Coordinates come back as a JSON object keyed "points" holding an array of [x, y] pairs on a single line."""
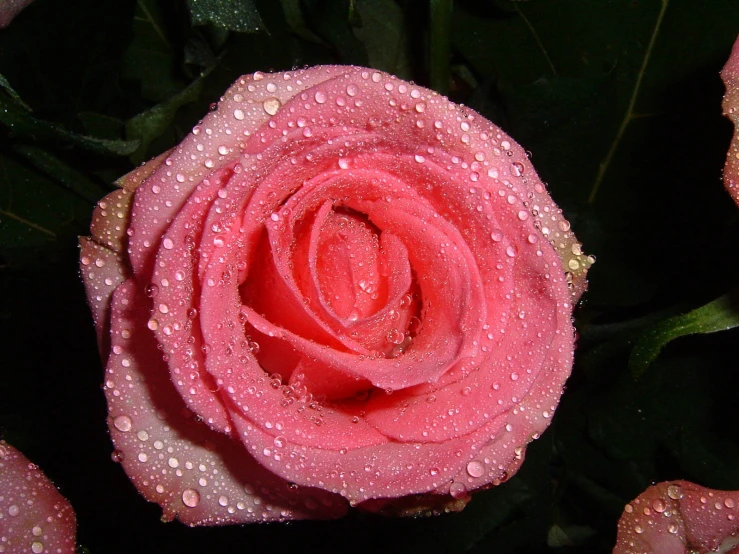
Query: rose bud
{"points": [[34, 517], [340, 289], [679, 517]]}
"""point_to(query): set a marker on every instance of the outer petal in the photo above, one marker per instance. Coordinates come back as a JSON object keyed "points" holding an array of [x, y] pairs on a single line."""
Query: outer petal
{"points": [[197, 475], [679, 517], [34, 517], [9, 9], [217, 141], [730, 76]]}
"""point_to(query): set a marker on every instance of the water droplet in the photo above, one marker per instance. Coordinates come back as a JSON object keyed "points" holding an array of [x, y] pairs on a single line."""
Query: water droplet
{"points": [[190, 498], [476, 468], [37, 547], [658, 506], [168, 244], [321, 97], [457, 490], [14, 510], [239, 114], [395, 336], [272, 105], [123, 423]]}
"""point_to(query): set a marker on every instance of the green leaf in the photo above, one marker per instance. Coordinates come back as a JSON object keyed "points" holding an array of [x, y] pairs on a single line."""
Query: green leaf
{"points": [[719, 315], [35, 212], [334, 22], [55, 169], [147, 126], [235, 15], [22, 124], [152, 57], [383, 34], [5, 85], [440, 47]]}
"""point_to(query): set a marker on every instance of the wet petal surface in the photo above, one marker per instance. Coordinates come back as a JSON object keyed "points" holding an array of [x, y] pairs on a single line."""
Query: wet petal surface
{"points": [[34, 517]]}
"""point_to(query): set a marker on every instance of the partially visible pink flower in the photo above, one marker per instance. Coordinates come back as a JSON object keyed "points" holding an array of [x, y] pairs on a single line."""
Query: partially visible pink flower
{"points": [[730, 76], [34, 517], [680, 517], [9, 9]]}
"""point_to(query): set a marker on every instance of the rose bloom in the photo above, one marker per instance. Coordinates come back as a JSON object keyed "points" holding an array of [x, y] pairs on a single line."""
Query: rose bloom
{"points": [[730, 77], [340, 289], [679, 517], [34, 517]]}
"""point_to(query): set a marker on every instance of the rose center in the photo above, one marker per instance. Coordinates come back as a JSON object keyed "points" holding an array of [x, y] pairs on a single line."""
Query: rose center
{"points": [[348, 267]]}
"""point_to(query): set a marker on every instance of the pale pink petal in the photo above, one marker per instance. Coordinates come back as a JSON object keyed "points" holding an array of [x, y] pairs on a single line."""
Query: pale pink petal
{"points": [[217, 141], [197, 475], [34, 517], [679, 517], [102, 271], [730, 76]]}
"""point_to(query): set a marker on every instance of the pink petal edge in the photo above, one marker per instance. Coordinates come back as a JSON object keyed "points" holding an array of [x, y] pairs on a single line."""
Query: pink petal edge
{"points": [[34, 516], [680, 517]]}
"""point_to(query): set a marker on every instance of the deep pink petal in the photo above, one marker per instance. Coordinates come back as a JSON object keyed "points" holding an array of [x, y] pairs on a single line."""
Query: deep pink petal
{"points": [[34, 517]]}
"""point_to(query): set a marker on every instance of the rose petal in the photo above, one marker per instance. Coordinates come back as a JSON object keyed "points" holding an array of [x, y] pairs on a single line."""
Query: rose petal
{"points": [[730, 76], [218, 140], [34, 517], [11, 8], [679, 517], [197, 475], [102, 271]]}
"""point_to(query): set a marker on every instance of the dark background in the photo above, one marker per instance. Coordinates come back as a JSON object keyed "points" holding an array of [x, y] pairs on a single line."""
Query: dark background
{"points": [[93, 87]]}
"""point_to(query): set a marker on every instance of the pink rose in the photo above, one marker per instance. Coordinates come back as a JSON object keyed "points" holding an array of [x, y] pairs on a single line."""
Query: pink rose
{"points": [[339, 287], [730, 76], [34, 517], [679, 517]]}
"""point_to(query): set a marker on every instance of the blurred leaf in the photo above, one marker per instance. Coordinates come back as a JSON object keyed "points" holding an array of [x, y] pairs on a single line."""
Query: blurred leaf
{"points": [[22, 124], [333, 21], [294, 17], [384, 35], [234, 15], [34, 210], [149, 125], [718, 315], [57, 170], [152, 57], [11, 92], [100, 125], [440, 21]]}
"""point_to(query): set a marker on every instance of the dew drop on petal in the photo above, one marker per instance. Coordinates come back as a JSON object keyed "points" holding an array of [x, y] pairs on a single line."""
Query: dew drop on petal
{"points": [[123, 423], [190, 498], [475, 468]]}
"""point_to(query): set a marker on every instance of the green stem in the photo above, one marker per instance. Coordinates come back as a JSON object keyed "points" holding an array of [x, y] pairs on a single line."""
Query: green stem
{"points": [[629, 115]]}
